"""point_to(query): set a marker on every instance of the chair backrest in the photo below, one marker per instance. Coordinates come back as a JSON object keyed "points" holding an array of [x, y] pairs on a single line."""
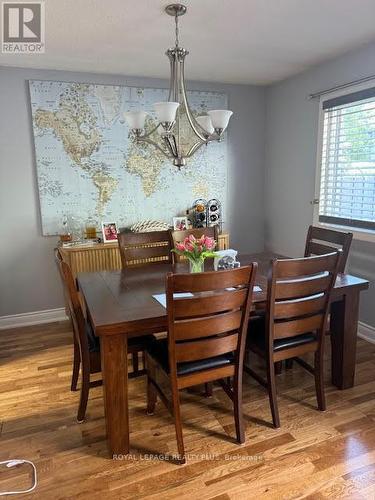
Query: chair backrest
{"points": [[73, 303], [320, 241], [298, 295], [144, 248], [213, 321], [179, 236]]}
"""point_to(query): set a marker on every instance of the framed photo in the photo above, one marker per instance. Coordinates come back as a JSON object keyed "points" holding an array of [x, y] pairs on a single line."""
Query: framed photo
{"points": [[180, 223], [109, 230]]}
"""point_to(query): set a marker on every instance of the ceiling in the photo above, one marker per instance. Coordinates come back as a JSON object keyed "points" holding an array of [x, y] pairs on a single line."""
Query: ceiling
{"points": [[236, 41]]}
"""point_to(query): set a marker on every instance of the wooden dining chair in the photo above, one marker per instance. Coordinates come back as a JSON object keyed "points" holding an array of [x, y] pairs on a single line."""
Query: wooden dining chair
{"points": [[298, 299], [206, 340], [86, 353], [179, 236], [320, 241], [144, 248]]}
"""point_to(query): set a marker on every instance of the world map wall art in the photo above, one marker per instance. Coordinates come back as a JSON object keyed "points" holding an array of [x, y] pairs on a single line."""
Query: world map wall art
{"points": [[89, 168]]}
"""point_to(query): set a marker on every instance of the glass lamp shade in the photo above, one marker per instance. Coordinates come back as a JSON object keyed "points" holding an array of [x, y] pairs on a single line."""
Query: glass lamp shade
{"points": [[135, 119], [166, 111], [206, 123], [220, 118]]}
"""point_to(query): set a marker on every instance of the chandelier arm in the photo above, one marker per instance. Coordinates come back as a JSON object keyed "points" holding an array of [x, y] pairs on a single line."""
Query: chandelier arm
{"points": [[189, 114], [149, 141], [195, 148], [172, 145], [154, 129]]}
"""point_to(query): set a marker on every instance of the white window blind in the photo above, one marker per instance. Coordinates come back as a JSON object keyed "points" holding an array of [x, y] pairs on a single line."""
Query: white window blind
{"points": [[347, 186]]}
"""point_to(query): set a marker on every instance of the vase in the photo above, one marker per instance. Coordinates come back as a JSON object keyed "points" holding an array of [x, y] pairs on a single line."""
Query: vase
{"points": [[196, 266]]}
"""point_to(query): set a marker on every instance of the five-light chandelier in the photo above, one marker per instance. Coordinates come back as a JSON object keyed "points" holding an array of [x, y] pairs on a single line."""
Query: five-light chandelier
{"points": [[166, 136]]}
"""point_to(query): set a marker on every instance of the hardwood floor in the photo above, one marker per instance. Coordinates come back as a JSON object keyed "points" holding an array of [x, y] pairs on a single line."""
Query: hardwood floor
{"points": [[313, 455]]}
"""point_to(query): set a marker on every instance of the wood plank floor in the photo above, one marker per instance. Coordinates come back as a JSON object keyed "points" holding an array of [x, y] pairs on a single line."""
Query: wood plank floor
{"points": [[314, 455]]}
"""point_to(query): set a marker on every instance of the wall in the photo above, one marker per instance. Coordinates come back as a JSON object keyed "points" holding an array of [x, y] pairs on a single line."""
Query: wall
{"points": [[28, 277], [290, 162]]}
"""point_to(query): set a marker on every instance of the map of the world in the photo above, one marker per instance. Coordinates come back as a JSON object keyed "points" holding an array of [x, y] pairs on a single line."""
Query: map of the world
{"points": [[89, 167]]}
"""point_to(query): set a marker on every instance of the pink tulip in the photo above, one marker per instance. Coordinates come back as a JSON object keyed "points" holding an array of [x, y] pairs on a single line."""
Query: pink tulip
{"points": [[180, 246], [192, 238], [189, 247], [209, 243]]}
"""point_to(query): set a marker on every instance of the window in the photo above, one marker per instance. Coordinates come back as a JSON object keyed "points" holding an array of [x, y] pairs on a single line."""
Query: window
{"points": [[347, 182]]}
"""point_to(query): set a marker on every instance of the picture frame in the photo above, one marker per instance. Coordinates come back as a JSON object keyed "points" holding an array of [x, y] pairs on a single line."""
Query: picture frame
{"points": [[109, 231], [180, 223]]}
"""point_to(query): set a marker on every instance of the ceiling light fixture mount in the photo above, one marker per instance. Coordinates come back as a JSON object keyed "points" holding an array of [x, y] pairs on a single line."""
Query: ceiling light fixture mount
{"points": [[206, 128]]}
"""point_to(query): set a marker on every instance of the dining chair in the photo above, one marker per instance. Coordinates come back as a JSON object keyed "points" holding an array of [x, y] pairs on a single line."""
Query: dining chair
{"points": [[206, 340], [144, 248], [320, 241], [179, 236], [298, 299], [86, 346]]}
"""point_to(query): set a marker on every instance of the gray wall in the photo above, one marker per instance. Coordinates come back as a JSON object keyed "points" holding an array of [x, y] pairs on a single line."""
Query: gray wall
{"points": [[28, 278], [290, 162]]}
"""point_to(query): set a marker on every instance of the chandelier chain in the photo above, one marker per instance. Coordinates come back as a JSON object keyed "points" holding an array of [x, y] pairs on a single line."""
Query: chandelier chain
{"points": [[176, 30]]}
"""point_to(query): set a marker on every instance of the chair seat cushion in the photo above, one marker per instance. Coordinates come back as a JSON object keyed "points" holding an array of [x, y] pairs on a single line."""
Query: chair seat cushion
{"points": [[257, 336], [159, 351]]}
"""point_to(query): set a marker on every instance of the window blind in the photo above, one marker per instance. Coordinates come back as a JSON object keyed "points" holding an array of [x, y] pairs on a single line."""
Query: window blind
{"points": [[347, 186]]}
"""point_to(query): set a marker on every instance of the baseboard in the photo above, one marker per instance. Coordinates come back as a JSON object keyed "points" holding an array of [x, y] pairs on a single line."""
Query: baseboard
{"points": [[366, 332], [32, 318]]}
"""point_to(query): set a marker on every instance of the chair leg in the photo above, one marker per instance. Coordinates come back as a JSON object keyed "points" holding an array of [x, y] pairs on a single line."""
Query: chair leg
{"points": [[152, 396], [271, 383], [76, 365], [178, 425], [319, 381], [135, 363], [84, 394], [237, 404], [278, 367], [289, 363], [208, 389]]}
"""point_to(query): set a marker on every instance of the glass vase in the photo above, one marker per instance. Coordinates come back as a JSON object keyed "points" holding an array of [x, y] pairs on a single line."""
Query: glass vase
{"points": [[196, 266]]}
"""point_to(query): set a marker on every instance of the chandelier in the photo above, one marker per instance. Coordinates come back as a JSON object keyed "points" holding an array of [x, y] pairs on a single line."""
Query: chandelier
{"points": [[167, 136]]}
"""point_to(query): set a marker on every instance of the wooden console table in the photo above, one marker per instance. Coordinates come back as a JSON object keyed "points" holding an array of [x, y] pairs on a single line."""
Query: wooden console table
{"points": [[105, 256]]}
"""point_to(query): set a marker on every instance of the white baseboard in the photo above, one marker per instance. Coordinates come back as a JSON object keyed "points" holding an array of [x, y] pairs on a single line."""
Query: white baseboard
{"points": [[366, 332], [32, 318]]}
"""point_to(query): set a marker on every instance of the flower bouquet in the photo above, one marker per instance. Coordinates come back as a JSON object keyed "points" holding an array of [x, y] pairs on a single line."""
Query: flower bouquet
{"points": [[196, 250]]}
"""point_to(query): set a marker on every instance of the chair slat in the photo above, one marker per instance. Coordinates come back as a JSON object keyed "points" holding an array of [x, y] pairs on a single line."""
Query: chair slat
{"points": [[207, 348], [320, 249], [323, 234], [301, 288], [287, 268], [206, 327], [210, 304], [286, 329], [143, 253], [299, 307], [215, 280]]}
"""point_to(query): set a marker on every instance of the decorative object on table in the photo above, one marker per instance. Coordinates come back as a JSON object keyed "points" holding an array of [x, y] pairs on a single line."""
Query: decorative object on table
{"points": [[226, 259], [214, 214], [109, 230], [148, 226], [196, 251], [199, 216], [180, 223], [90, 230], [207, 128]]}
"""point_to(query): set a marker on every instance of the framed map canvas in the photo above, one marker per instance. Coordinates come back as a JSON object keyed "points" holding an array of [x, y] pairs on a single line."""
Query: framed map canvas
{"points": [[89, 168]]}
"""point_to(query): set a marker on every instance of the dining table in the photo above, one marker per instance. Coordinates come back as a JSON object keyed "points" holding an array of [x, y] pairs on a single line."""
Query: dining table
{"points": [[120, 304]]}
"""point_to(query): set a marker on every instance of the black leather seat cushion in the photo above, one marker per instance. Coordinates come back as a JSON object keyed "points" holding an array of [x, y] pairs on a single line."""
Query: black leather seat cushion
{"points": [[159, 351], [257, 336]]}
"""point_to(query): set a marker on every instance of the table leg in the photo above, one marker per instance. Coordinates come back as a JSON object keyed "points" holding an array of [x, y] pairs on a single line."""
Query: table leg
{"points": [[114, 356], [343, 327]]}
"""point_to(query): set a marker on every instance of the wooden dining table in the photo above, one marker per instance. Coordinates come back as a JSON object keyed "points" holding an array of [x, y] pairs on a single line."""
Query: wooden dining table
{"points": [[120, 304]]}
